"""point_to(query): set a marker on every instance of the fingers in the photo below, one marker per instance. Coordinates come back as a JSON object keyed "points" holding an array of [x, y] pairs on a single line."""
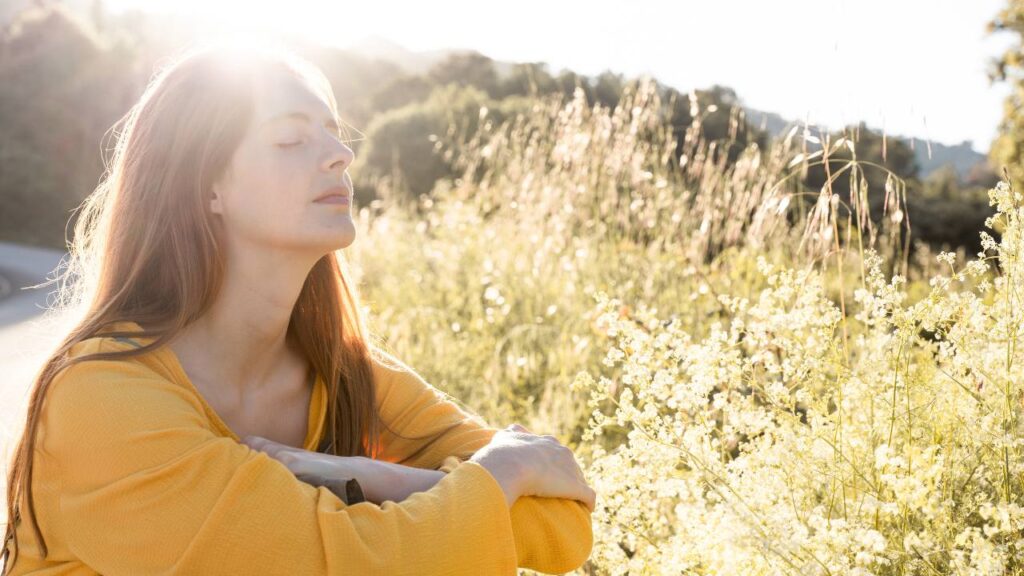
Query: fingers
{"points": [[516, 427], [254, 442], [265, 443], [295, 459], [260, 443], [570, 484], [274, 449]]}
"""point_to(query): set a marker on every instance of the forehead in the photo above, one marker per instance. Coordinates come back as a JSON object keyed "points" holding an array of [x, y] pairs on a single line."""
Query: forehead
{"points": [[282, 93]]}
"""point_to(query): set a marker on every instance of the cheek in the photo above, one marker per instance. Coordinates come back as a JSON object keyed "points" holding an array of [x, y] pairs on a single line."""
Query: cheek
{"points": [[272, 185], [263, 211]]}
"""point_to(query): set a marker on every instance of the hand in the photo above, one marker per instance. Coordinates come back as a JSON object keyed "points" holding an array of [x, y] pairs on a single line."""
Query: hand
{"points": [[525, 464], [300, 462]]}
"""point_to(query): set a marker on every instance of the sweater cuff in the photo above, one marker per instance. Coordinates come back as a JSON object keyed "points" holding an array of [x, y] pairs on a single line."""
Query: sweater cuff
{"points": [[484, 495]]}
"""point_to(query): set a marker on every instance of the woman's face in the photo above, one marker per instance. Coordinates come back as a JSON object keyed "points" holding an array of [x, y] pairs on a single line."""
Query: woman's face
{"points": [[290, 156]]}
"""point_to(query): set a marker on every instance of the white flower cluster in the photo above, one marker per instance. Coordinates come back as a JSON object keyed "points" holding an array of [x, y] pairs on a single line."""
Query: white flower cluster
{"points": [[789, 438]]}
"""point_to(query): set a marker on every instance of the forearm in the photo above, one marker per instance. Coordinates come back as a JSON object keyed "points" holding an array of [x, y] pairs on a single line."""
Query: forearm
{"points": [[383, 481]]}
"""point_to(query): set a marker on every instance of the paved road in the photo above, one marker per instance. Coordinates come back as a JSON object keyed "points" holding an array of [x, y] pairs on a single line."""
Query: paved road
{"points": [[24, 338]]}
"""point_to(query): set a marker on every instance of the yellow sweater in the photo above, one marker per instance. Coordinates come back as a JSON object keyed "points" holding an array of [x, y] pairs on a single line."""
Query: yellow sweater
{"points": [[136, 474]]}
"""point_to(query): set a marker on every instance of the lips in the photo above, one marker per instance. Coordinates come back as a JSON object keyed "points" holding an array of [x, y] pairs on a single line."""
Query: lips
{"points": [[337, 194], [342, 200]]}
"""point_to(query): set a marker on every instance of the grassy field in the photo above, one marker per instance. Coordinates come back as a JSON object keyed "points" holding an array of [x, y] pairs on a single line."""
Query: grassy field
{"points": [[758, 378]]}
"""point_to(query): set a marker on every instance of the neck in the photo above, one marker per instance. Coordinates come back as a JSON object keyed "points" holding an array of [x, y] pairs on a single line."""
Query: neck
{"points": [[242, 340]]}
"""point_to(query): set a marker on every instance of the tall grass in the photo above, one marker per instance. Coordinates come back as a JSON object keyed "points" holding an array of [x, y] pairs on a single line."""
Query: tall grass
{"points": [[752, 386], [484, 286]]}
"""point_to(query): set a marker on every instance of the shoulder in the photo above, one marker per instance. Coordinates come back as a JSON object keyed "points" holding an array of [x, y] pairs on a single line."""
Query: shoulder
{"points": [[106, 419], [386, 364], [124, 343], [387, 370], [396, 380], [399, 386], [104, 362], [111, 397]]}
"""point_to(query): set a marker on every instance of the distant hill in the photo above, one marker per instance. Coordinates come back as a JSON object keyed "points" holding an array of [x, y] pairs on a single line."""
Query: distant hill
{"points": [[961, 156], [410, 61], [377, 47], [8, 8]]}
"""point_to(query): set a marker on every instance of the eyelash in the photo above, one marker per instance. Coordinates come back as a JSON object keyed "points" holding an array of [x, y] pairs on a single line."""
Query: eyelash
{"points": [[337, 135]]}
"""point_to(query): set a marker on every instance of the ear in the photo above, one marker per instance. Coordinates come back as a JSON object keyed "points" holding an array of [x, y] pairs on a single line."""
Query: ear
{"points": [[215, 202]]}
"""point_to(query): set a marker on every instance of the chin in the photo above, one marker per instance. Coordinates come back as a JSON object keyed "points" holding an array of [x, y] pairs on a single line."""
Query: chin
{"points": [[344, 240], [340, 233]]}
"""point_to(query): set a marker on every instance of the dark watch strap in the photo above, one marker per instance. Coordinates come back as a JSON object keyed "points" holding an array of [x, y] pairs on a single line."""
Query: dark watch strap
{"points": [[347, 489], [354, 492]]}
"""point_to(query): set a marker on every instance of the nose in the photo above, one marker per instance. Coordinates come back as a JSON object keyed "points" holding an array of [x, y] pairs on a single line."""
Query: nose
{"points": [[339, 158]]}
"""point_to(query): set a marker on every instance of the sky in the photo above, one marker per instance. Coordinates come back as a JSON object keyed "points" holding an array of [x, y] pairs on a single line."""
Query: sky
{"points": [[907, 67]]}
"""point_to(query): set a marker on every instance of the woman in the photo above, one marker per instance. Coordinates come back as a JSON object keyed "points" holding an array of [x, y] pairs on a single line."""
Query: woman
{"points": [[218, 406]]}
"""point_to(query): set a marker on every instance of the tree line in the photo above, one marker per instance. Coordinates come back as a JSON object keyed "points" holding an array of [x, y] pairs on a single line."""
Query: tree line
{"points": [[67, 78]]}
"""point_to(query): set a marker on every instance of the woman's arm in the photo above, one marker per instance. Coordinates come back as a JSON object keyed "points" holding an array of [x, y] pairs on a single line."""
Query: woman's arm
{"points": [[378, 481], [426, 429], [147, 487]]}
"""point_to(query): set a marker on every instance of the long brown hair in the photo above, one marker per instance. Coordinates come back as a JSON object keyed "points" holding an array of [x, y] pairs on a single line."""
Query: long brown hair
{"points": [[146, 249]]}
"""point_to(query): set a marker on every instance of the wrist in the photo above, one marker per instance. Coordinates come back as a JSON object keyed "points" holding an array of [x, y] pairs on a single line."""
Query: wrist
{"points": [[511, 477], [408, 480], [344, 476], [382, 481], [375, 477]]}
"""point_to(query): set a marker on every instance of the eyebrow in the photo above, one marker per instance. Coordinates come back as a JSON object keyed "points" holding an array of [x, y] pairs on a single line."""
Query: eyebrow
{"points": [[301, 116]]}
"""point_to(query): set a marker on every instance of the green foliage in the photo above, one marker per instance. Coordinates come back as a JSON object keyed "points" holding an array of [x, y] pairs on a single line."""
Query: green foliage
{"points": [[62, 89], [1008, 148], [400, 92], [404, 143], [529, 78], [470, 68], [947, 212]]}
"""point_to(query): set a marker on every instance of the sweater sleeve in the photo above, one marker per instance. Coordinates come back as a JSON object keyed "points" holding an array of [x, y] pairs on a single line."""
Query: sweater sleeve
{"points": [[428, 430], [148, 488]]}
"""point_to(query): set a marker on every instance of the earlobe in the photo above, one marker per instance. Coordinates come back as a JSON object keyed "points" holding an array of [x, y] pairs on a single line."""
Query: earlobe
{"points": [[215, 206]]}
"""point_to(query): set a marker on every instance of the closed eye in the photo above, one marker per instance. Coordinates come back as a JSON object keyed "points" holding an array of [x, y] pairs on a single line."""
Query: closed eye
{"points": [[289, 144]]}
